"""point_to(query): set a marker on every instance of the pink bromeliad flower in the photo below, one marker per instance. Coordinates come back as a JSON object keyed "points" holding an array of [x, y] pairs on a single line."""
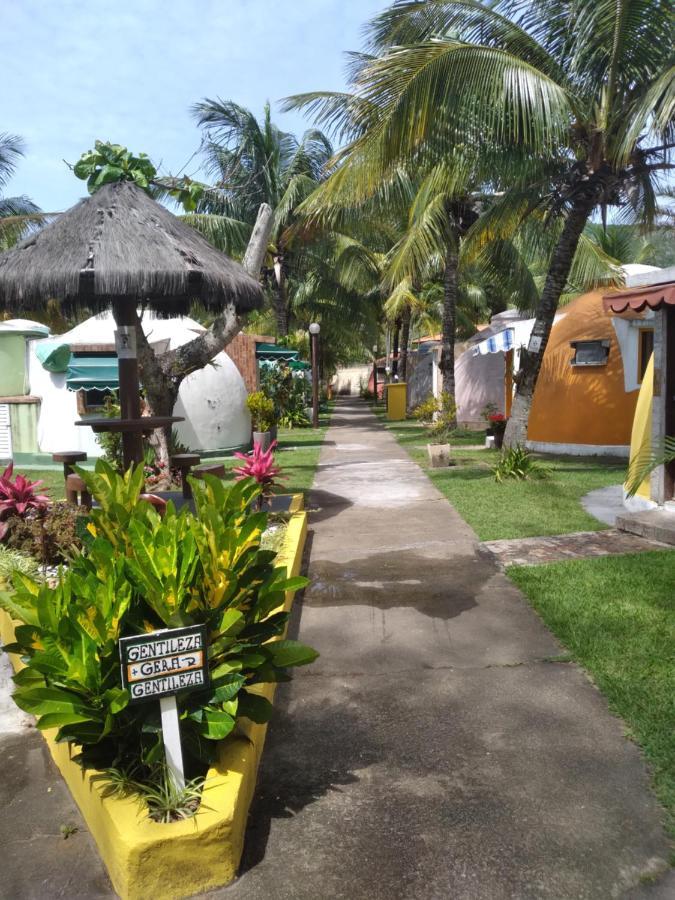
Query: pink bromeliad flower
{"points": [[18, 496], [259, 464]]}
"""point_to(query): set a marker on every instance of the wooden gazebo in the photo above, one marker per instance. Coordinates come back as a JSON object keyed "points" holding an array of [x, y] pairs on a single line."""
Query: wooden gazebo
{"points": [[120, 249]]}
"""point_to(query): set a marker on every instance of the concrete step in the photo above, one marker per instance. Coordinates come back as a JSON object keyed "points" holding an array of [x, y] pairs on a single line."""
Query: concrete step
{"points": [[653, 524]]}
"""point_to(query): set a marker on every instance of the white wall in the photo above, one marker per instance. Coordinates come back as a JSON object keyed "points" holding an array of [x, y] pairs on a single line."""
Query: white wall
{"points": [[213, 402], [347, 379]]}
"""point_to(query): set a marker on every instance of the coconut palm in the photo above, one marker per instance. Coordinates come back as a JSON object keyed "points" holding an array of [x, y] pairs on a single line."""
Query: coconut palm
{"points": [[254, 162], [570, 103], [17, 214]]}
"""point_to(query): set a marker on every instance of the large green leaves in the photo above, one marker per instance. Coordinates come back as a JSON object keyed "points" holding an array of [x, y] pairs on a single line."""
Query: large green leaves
{"points": [[142, 572]]}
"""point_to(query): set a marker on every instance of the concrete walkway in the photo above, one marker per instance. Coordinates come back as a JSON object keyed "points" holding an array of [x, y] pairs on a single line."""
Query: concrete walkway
{"points": [[435, 750]]}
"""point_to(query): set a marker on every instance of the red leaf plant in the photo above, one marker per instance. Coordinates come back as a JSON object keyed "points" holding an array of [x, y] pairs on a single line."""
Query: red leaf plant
{"points": [[259, 464], [18, 497]]}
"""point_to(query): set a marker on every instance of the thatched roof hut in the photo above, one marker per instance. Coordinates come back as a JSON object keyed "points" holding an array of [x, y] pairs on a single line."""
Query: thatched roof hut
{"points": [[120, 243]]}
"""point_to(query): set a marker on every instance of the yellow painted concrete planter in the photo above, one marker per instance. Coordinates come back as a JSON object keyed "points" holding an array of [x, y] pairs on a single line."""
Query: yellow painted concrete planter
{"points": [[146, 859]]}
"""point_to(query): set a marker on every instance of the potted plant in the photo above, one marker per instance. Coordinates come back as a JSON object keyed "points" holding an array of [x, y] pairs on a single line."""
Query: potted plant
{"points": [[438, 415], [498, 427], [261, 408]]}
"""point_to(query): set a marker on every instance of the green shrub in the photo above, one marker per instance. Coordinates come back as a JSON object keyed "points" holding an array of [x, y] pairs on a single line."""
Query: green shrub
{"points": [[15, 561], [426, 410], [262, 411], [287, 391], [140, 573], [517, 463], [111, 441]]}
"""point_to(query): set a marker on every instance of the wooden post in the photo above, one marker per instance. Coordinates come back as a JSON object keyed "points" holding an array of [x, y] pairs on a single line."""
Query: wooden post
{"points": [[508, 382], [124, 313]]}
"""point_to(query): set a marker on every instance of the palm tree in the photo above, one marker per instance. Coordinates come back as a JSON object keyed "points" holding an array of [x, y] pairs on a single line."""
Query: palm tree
{"points": [[254, 162], [17, 214], [570, 104]]}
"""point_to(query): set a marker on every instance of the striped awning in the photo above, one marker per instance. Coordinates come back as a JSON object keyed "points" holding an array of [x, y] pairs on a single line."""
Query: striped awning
{"points": [[93, 373], [273, 352], [639, 299], [516, 336], [498, 343]]}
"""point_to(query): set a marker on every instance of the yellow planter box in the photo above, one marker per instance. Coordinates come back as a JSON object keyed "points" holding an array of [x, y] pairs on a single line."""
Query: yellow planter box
{"points": [[145, 858]]}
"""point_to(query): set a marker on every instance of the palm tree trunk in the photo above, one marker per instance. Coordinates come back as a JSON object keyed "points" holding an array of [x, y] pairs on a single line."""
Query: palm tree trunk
{"points": [[280, 304], [531, 359], [405, 340], [395, 346], [447, 364]]}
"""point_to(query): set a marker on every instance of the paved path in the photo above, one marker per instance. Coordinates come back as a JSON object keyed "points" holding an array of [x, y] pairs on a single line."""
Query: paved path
{"points": [[578, 545], [432, 752]]}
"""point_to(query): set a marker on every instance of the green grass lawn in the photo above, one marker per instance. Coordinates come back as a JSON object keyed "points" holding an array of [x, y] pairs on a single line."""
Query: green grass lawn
{"points": [[616, 617], [511, 509], [298, 455]]}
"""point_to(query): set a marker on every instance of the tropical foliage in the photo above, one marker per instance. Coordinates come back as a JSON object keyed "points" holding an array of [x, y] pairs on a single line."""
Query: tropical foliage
{"points": [[546, 111], [17, 214], [140, 573]]}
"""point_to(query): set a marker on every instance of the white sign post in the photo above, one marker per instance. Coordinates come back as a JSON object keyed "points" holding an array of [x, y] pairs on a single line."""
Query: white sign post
{"points": [[157, 666], [171, 735]]}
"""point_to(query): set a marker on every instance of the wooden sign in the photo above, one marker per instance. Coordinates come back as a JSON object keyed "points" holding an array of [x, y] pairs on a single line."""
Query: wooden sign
{"points": [[162, 663], [157, 666]]}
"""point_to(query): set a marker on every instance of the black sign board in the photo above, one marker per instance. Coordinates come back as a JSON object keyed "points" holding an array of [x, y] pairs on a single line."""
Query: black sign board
{"points": [[161, 663]]}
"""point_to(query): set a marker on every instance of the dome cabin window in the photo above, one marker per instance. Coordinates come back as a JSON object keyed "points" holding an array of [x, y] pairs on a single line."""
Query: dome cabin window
{"points": [[589, 353]]}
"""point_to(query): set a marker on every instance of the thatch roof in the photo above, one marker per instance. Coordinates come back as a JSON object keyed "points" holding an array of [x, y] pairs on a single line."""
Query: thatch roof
{"points": [[121, 243]]}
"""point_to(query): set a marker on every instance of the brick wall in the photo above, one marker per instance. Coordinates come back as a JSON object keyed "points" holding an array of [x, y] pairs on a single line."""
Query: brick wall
{"points": [[242, 353]]}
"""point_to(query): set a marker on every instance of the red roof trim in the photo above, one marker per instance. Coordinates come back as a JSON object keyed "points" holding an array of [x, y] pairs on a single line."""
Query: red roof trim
{"points": [[639, 299]]}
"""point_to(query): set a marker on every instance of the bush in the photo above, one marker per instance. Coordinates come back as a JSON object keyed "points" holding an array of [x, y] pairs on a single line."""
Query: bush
{"points": [[139, 573], [111, 441], [426, 410], [15, 561], [287, 391], [262, 411], [517, 463], [52, 537]]}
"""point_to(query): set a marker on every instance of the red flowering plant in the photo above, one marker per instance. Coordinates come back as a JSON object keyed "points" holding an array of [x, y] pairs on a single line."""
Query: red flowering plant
{"points": [[259, 464], [498, 422], [18, 497]]}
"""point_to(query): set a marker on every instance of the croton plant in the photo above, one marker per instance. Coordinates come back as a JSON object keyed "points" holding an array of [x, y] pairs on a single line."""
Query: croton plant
{"points": [[138, 573]]}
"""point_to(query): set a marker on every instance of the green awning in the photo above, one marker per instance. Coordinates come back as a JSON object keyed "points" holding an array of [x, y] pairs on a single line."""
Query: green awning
{"points": [[299, 365], [93, 373], [274, 352], [53, 355]]}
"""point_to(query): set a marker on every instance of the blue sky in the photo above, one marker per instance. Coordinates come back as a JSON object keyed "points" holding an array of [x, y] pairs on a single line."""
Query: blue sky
{"points": [[128, 72]]}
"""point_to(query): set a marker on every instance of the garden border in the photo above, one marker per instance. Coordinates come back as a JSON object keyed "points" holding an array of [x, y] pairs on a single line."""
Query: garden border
{"points": [[180, 859]]}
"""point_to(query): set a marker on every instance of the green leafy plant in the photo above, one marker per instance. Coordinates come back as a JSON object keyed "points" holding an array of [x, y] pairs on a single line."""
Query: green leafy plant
{"points": [[165, 801], [108, 163], [15, 561], [646, 462], [139, 573], [426, 410], [517, 463], [288, 391], [261, 408]]}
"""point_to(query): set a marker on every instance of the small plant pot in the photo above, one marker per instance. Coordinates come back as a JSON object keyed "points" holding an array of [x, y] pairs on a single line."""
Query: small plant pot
{"points": [[499, 439], [263, 439], [439, 455]]}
